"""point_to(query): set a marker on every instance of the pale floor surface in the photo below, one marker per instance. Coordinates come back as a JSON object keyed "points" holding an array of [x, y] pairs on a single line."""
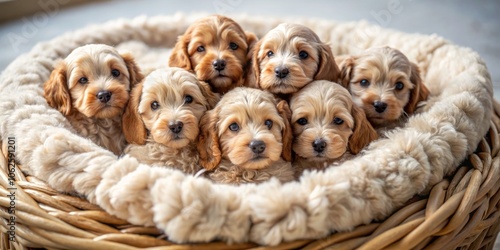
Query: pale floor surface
{"points": [[474, 24]]}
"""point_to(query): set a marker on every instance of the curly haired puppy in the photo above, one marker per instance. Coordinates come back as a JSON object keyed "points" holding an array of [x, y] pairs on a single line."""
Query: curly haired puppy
{"points": [[288, 57], [215, 48], [162, 118], [246, 138], [91, 87], [385, 84], [327, 126]]}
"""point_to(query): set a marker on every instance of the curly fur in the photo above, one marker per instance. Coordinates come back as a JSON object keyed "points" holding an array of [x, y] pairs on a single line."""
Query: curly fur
{"points": [[228, 173], [74, 87], [210, 39], [168, 89], [251, 111], [328, 128], [281, 49], [373, 78]]}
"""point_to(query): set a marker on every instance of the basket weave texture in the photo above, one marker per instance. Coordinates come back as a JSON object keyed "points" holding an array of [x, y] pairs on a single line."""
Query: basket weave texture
{"points": [[461, 210]]}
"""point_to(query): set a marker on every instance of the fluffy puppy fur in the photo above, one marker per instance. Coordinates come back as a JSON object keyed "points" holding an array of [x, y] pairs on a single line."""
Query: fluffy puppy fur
{"points": [[216, 49], [162, 118], [288, 57], [246, 138], [91, 87], [385, 84], [327, 127]]}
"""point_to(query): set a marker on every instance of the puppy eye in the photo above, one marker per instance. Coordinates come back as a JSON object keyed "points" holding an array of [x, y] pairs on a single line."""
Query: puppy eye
{"points": [[200, 49], [399, 86], [338, 121], [364, 83], [83, 80], [269, 124], [302, 121], [234, 127], [270, 53], [303, 55], [155, 105], [188, 99], [233, 46], [115, 73]]}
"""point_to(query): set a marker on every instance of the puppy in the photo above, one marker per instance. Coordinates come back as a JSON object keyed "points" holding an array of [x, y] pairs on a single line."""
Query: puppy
{"points": [[385, 84], [215, 48], [162, 119], [246, 138], [91, 88], [288, 57], [327, 127]]}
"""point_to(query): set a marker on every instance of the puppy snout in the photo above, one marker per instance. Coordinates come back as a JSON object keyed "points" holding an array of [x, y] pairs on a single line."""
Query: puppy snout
{"points": [[319, 145], [103, 96], [380, 106], [219, 64], [257, 146], [176, 127], [281, 72]]}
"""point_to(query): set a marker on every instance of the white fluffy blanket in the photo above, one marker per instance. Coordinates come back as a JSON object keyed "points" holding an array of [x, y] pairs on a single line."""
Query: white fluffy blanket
{"points": [[192, 209]]}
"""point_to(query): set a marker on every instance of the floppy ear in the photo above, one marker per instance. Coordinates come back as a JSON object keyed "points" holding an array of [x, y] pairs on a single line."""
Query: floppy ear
{"points": [[132, 125], [286, 134], [208, 141], [418, 93], [251, 41], [206, 91], [56, 90], [363, 132], [180, 57], [253, 72], [346, 68], [133, 70], [327, 67]]}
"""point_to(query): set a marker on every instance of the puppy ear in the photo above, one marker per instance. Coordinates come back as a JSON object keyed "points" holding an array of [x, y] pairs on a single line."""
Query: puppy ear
{"points": [[208, 141], [133, 70], [418, 93], [363, 132], [253, 72], [251, 41], [56, 90], [286, 134], [133, 127], [206, 91], [180, 57], [327, 67], [346, 71]]}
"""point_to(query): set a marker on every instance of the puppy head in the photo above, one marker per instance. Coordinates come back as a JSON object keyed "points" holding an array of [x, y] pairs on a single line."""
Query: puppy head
{"points": [[94, 80], [384, 83], [169, 104], [289, 57], [326, 123], [215, 48], [247, 127]]}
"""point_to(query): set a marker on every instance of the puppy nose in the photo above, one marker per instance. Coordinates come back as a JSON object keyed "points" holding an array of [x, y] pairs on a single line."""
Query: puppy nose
{"points": [[281, 72], [380, 106], [257, 146], [319, 145], [176, 127], [219, 64], [103, 96]]}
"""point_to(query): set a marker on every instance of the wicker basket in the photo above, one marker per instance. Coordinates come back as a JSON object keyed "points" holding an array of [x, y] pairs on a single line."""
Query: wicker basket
{"points": [[461, 211]]}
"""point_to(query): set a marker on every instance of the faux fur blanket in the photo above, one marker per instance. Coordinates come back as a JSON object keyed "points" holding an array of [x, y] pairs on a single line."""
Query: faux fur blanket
{"points": [[190, 209]]}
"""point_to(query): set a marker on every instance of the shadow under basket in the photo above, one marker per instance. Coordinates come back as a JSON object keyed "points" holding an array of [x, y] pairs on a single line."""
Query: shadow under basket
{"points": [[461, 211]]}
